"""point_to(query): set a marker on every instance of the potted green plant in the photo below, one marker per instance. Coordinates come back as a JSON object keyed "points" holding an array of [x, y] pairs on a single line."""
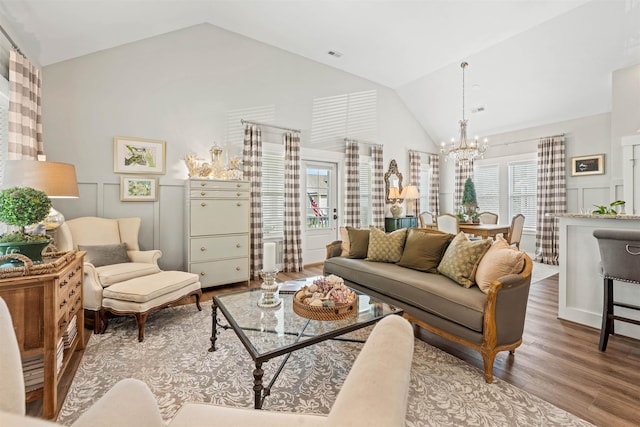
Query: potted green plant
{"points": [[21, 207], [469, 199], [608, 210]]}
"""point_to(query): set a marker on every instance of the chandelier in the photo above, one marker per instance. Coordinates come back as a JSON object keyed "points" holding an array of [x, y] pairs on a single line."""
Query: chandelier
{"points": [[463, 151]]}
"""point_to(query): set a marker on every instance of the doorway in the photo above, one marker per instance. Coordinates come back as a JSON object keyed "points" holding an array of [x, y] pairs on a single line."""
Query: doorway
{"points": [[320, 209]]}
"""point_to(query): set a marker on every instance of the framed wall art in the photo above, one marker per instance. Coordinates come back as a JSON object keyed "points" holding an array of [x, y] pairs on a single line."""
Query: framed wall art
{"points": [[136, 155], [138, 189], [587, 165]]}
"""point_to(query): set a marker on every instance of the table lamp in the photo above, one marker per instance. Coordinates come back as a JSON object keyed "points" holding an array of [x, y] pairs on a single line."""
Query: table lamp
{"points": [[57, 180], [411, 192], [396, 208]]}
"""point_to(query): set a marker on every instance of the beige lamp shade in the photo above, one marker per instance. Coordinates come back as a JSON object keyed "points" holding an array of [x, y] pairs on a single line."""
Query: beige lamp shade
{"points": [[57, 180], [394, 193], [410, 192]]}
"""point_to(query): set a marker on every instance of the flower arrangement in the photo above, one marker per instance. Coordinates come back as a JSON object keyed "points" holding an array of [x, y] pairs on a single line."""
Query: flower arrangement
{"points": [[326, 292]]}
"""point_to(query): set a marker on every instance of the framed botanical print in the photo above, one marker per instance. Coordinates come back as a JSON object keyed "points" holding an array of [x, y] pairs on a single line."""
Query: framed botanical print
{"points": [[136, 155], [587, 165], [138, 189]]}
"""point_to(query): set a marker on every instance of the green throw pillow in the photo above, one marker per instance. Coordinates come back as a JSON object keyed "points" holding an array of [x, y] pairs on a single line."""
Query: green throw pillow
{"points": [[461, 259], [423, 251], [100, 255], [385, 247], [358, 242]]}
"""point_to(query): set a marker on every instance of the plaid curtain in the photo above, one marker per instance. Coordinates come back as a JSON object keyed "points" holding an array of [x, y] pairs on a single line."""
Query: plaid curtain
{"points": [[551, 198], [352, 193], [434, 188], [292, 229], [464, 170], [377, 187], [25, 115], [413, 207], [252, 160]]}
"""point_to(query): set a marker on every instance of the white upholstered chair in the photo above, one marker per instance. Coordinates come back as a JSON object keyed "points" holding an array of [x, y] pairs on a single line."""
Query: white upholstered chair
{"points": [[488, 218], [426, 219], [448, 223], [382, 369], [118, 276], [515, 231]]}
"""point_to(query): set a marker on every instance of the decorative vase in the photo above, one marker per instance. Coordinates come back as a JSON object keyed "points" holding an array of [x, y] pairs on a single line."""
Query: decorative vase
{"points": [[32, 250], [396, 210]]}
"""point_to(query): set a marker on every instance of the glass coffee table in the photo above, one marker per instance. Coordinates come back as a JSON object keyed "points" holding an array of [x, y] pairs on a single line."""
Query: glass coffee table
{"points": [[267, 333]]}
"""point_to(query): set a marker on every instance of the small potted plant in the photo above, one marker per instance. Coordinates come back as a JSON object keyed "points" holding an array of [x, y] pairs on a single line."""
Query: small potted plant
{"points": [[469, 200], [22, 207], [609, 210]]}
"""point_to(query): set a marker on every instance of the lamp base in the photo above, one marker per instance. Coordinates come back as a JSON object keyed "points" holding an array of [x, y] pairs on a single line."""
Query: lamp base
{"points": [[396, 210]]}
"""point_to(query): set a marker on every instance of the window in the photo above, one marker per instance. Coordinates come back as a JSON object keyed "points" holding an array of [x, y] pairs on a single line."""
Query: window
{"points": [[350, 115], [365, 192], [272, 195], [318, 209], [424, 185], [522, 191], [486, 180]]}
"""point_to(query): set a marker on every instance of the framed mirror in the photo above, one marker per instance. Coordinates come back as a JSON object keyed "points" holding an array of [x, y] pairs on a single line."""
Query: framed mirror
{"points": [[392, 178]]}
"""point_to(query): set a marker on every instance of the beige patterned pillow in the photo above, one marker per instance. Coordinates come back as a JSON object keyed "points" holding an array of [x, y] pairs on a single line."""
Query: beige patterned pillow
{"points": [[461, 259], [385, 247]]}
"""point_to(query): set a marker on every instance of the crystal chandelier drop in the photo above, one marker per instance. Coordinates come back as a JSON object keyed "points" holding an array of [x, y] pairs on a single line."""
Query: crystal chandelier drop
{"points": [[463, 151]]}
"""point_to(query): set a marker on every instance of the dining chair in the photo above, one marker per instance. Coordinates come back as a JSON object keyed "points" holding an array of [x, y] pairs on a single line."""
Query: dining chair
{"points": [[488, 218], [448, 223], [426, 219], [515, 231]]}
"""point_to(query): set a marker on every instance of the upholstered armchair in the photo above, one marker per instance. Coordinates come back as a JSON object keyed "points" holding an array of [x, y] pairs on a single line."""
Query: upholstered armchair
{"points": [[105, 239]]}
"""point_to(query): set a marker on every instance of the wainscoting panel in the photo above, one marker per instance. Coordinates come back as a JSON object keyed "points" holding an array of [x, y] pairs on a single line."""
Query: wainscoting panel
{"points": [[171, 227], [595, 196]]}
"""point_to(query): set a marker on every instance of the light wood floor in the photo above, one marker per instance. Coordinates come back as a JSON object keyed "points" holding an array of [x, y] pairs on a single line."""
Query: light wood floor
{"points": [[558, 361]]}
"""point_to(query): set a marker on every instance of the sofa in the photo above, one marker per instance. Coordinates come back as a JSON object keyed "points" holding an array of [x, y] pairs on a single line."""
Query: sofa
{"points": [[381, 369], [472, 292]]}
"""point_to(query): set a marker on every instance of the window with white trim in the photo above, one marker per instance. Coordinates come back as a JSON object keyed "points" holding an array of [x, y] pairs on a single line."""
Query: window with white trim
{"points": [[523, 192], [272, 195], [486, 178], [424, 184]]}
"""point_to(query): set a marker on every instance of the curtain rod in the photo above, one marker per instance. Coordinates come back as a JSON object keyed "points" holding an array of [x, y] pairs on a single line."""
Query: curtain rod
{"points": [[13, 44], [422, 152], [526, 140], [359, 141], [243, 121]]}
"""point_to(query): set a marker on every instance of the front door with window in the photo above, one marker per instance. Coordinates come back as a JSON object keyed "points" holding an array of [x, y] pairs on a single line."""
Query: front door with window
{"points": [[320, 209]]}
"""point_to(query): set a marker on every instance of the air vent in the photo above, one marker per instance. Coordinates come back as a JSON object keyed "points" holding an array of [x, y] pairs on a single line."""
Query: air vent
{"points": [[477, 110], [334, 53]]}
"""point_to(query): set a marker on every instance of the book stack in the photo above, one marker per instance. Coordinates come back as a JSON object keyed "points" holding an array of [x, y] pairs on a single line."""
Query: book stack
{"points": [[33, 370], [70, 333], [59, 355]]}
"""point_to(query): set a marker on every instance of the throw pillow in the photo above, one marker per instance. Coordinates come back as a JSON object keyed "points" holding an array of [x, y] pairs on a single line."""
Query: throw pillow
{"points": [[358, 242], [100, 255], [423, 251], [501, 259], [461, 259], [385, 247], [344, 237]]}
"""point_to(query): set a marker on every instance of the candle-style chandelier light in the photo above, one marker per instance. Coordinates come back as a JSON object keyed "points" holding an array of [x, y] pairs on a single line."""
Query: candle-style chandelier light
{"points": [[463, 151]]}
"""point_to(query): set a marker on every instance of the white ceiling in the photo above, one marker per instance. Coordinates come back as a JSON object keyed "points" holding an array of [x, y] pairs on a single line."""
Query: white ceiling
{"points": [[531, 62]]}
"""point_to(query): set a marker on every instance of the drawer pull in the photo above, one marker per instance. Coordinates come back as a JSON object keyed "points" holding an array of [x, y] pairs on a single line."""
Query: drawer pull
{"points": [[72, 293], [73, 273], [203, 204], [237, 268], [238, 245], [203, 184], [202, 273], [238, 194], [238, 185], [63, 283], [203, 249], [202, 193], [239, 204], [63, 303]]}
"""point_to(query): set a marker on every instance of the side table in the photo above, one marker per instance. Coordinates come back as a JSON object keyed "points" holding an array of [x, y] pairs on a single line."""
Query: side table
{"points": [[393, 224]]}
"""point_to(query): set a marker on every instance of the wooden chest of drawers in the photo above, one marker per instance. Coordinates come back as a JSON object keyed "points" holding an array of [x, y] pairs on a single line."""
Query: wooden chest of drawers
{"points": [[217, 226], [42, 309]]}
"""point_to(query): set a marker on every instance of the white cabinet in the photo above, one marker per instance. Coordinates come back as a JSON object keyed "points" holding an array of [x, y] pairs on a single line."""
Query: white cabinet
{"points": [[217, 228]]}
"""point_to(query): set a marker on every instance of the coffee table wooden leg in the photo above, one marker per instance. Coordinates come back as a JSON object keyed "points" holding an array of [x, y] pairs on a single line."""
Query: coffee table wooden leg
{"points": [[257, 385], [214, 326]]}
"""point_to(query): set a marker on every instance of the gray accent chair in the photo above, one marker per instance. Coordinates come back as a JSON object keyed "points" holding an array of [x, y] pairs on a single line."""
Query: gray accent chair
{"points": [[620, 260]]}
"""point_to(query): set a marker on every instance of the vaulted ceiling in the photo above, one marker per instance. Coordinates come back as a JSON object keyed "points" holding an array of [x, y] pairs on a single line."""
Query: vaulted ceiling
{"points": [[531, 62]]}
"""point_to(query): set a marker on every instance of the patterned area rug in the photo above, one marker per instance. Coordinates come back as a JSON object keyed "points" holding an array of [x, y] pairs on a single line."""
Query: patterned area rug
{"points": [[173, 360]]}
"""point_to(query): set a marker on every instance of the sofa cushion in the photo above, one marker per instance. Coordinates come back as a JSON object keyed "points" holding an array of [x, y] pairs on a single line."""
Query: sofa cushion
{"points": [[100, 255], [115, 273], [423, 251], [461, 259], [385, 247], [501, 259], [358, 242], [428, 292], [344, 238]]}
